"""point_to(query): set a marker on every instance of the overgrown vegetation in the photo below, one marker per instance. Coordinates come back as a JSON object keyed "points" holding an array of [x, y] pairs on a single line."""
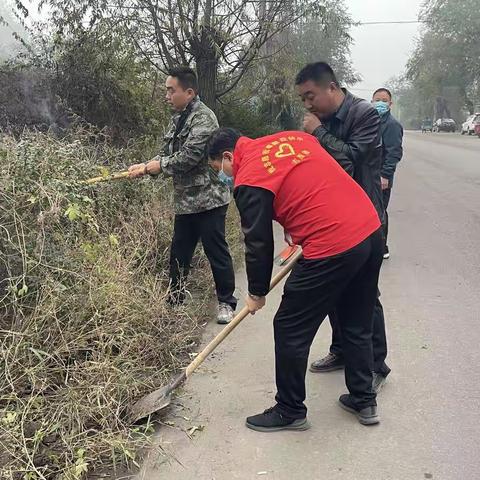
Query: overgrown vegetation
{"points": [[84, 329]]}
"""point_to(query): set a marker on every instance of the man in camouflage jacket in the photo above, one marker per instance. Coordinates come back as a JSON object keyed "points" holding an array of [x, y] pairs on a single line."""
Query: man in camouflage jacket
{"points": [[201, 199]]}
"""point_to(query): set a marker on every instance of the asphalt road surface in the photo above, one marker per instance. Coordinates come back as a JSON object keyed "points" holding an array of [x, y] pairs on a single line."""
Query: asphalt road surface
{"points": [[430, 407]]}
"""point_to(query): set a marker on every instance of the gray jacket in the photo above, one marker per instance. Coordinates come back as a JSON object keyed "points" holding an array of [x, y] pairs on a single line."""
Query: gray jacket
{"points": [[196, 185]]}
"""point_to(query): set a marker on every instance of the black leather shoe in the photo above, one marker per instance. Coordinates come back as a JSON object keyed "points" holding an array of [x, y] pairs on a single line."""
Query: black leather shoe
{"points": [[272, 421], [327, 364], [366, 416]]}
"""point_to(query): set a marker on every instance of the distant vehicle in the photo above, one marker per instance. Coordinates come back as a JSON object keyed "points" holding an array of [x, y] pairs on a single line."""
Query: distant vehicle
{"points": [[427, 125], [476, 125], [468, 127], [444, 125]]}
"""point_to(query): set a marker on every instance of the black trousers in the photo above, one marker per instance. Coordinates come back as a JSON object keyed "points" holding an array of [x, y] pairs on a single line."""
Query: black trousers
{"points": [[314, 288], [379, 338], [209, 227], [386, 199]]}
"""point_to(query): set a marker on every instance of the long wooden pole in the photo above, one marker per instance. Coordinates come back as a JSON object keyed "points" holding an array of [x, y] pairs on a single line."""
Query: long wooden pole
{"points": [[107, 178], [200, 358]]}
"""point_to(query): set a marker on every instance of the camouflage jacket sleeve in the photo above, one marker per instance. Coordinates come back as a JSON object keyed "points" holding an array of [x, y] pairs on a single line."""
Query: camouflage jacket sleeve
{"points": [[169, 134], [192, 151]]}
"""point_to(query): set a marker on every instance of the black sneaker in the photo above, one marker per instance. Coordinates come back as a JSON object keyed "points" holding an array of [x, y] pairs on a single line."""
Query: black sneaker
{"points": [[378, 381], [386, 253], [327, 364], [272, 421], [366, 416]]}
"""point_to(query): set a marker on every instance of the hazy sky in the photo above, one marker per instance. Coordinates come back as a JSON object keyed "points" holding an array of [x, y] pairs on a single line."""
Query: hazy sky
{"points": [[381, 51]]}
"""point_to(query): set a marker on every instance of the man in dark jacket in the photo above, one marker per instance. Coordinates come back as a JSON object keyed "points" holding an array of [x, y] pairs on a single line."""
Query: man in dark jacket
{"points": [[200, 198], [392, 137], [289, 177], [349, 129]]}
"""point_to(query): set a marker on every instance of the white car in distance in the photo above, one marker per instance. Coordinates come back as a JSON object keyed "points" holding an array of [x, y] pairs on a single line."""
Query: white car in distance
{"points": [[468, 127]]}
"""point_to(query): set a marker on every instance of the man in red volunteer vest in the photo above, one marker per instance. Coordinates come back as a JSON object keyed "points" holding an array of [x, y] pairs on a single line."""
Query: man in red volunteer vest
{"points": [[290, 178]]}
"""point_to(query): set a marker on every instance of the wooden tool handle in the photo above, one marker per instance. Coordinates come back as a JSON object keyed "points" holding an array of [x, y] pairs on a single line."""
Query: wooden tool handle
{"points": [[114, 176], [200, 358]]}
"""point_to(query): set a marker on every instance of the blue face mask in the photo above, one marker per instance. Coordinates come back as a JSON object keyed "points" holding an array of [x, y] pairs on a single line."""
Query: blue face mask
{"points": [[226, 179], [381, 107]]}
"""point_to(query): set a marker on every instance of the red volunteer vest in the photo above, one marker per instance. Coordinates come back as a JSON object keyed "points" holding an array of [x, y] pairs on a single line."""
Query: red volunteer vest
{"points": [[316, 201]]}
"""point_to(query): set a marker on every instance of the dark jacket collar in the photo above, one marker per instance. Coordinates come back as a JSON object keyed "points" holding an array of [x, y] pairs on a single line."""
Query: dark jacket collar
{"points": [[193, 104], [385, 118], [342, 111], [187, 110]]}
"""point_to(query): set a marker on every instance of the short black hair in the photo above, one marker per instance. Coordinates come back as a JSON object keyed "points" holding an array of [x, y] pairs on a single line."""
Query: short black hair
{"points": [[319, 72], [222, 140], [186, 76], [383, 89]]}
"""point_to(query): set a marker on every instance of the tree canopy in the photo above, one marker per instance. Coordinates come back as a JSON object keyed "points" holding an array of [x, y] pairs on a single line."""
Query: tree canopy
{"points": [[444, 69]]}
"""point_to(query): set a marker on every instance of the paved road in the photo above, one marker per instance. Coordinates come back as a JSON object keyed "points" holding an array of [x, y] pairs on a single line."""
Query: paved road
{"points": [[431, 406]]}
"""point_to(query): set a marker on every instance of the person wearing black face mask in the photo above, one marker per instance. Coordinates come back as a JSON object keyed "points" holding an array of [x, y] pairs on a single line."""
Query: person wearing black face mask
{"points": [[349, 129]]}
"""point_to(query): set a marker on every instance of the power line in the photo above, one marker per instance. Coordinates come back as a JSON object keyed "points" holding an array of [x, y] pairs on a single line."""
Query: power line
{"points": [[399, 22]]}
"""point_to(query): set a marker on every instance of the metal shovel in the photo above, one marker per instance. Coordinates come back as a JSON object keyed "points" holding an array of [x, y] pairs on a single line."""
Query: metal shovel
{"points": [[161, 398]]}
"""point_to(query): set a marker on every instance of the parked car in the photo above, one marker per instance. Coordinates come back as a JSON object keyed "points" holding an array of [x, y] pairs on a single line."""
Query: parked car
{"points": [[444, 125], [468, 127], [427, 125], [476, 125]]}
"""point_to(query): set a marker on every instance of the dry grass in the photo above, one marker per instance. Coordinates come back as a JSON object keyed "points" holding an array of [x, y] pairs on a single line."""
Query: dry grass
{"points": [[84, 329]]}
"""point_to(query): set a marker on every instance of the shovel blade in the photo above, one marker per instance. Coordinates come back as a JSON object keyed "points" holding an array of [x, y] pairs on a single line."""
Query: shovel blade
{"points": [[155, 401], [151, 403]]}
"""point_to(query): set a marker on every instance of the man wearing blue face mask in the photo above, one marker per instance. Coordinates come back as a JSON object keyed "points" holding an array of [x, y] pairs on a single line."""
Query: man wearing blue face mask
{"points": [[392, 137]]}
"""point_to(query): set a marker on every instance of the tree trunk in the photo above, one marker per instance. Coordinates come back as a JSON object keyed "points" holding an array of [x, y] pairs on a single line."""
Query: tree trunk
{"points": [[207, 71], [206, 58]]}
